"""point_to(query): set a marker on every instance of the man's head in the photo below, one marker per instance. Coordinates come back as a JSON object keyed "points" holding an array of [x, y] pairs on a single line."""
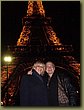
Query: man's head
{"points": [[39, 67], [50, 68]]}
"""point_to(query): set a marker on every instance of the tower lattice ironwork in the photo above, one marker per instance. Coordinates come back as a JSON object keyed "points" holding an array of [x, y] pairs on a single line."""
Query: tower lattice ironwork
{"points": [[37, 40]]}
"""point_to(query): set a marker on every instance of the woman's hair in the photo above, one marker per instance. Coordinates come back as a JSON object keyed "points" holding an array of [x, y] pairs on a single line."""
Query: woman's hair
{"points": [[37, 63]]}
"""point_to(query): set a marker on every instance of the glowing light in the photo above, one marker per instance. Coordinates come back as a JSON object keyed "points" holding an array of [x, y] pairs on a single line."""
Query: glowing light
{"points": [[73, 63], [30, 8], [52, 36], [7, 59], [1, 103], [24, 36]]}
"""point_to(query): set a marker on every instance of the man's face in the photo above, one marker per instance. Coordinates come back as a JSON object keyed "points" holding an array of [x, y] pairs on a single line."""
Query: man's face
{"points": [[40, 69], [50, 68]]}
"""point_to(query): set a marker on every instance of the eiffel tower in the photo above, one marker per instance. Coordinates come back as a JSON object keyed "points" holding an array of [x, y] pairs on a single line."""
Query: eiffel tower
{"points": [[37, 41]]}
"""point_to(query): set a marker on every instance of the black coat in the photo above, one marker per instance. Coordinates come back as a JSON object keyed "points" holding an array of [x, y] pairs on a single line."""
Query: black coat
{"points": [[66, 83], [52, 89], [33, 92]]}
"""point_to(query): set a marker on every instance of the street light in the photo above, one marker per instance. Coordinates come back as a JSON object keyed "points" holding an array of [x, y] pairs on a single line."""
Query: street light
{"points": [[7, 59]]}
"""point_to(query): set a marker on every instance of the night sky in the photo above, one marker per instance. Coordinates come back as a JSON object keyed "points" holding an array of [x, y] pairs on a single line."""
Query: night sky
{"points": [[65, 21]]}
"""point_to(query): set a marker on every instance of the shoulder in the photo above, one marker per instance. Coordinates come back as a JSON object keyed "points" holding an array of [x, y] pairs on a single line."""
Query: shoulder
{"points": [[26, 77], [63, 73], [66, 77], [63, 76]]}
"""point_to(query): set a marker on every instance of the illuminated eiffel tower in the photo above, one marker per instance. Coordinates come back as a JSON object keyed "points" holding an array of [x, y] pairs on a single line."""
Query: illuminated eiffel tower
{"points": [[38, 32], [37, 41]]}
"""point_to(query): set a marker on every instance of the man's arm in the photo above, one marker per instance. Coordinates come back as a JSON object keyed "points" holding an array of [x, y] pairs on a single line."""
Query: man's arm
{"points": [[70, 91]]}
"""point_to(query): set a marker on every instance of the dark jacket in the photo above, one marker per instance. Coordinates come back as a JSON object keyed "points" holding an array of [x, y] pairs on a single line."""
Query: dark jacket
{"points": [[69, 89], [33, 92]]}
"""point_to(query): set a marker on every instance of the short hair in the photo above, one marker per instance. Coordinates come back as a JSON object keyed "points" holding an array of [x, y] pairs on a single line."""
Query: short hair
{"points": [[51, 63]]}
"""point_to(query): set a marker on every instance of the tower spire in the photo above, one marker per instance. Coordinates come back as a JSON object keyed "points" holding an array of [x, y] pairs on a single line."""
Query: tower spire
{"points": [[30, 8], [35, 8]]}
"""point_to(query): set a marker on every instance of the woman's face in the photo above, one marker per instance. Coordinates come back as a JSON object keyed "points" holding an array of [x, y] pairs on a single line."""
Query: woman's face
{"points": [[40, 69]]}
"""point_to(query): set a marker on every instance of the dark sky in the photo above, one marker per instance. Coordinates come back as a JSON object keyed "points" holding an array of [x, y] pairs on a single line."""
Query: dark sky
{"points": [[65, 21]]}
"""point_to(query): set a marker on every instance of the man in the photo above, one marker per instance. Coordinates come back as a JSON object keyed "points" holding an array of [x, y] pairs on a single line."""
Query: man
{"points": [[61, 92], [33, 91]]}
